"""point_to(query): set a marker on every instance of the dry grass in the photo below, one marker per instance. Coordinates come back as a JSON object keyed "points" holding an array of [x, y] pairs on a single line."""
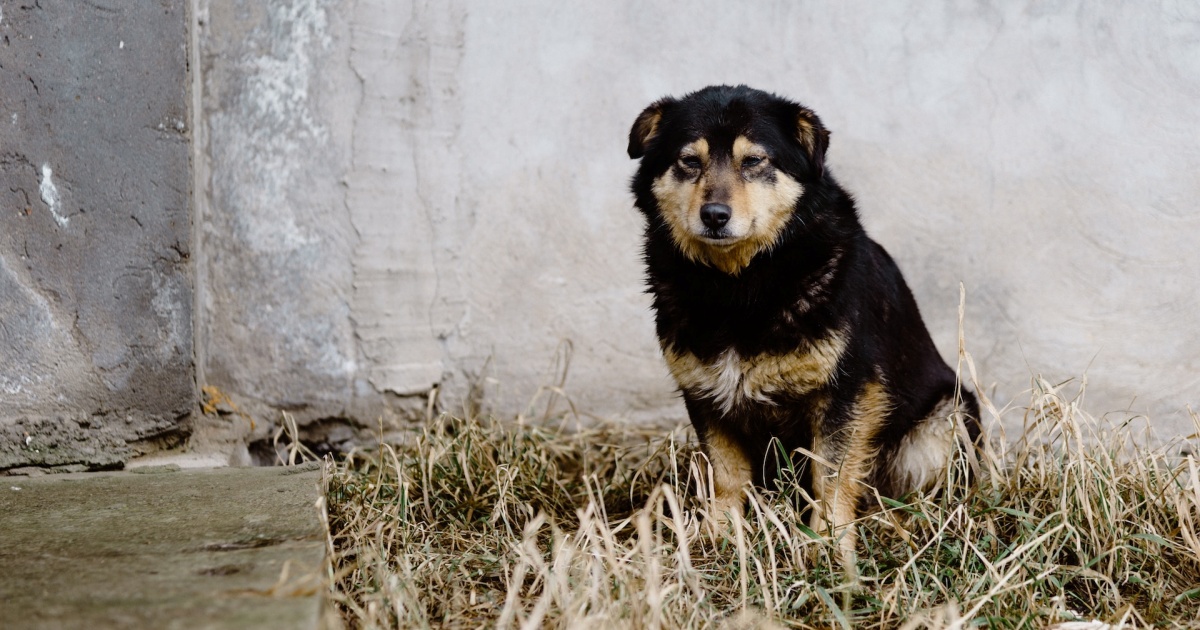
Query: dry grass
{"points": [[479, 523]]}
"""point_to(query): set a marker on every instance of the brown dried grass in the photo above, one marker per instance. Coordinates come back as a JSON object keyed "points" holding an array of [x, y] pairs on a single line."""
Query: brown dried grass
{"points": [[481, 523]]}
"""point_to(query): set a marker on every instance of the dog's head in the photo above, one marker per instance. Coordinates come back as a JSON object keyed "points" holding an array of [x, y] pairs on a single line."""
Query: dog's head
{"points": [[724, 167]]}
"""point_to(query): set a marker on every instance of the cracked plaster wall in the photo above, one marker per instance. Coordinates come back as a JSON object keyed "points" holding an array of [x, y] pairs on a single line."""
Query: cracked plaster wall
{"points": [[95, 293], [398, 194]]}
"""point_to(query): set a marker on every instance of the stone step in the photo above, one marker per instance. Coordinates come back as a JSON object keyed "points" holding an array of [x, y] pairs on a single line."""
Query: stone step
{"points": [[164, 548]]}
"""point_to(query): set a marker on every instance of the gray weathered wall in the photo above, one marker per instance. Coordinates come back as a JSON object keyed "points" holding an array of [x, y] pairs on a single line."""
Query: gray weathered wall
{"points": [[408, 193], [398, 195], [95, 293]]}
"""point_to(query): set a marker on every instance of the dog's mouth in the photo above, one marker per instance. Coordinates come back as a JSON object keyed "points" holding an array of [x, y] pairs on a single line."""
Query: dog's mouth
{"points": [[722, 236], [719, 241], [716, 237]]}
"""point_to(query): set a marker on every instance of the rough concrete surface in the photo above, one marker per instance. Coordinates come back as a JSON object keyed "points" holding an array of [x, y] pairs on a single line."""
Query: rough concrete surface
{"points": [[268, 219], [409, 193], [227, 548], [95, 293]]}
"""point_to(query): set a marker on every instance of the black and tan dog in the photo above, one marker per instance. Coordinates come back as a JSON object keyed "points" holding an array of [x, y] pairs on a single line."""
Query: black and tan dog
{"points": [[781, 320]]}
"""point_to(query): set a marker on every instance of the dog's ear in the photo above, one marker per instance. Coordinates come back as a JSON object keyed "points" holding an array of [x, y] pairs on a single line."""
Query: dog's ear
{"points": [[645, 128], [813, 137]]}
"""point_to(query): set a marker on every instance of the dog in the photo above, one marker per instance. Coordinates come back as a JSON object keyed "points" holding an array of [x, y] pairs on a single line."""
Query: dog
{"points": [[787, 329]]}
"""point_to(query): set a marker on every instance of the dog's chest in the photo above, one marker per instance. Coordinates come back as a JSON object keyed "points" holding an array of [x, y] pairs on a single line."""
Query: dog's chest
{"points": [[731, 380]]}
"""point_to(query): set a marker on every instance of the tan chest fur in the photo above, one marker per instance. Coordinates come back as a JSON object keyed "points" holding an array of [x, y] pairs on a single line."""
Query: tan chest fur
{"points": [[732, 380]]}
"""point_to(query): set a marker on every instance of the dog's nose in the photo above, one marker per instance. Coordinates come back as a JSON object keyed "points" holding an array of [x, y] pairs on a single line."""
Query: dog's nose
{"points": [[715, 215]]}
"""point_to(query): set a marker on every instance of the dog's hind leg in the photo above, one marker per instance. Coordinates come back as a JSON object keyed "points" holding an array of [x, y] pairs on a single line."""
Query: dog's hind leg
{"points": [[919, 462]]}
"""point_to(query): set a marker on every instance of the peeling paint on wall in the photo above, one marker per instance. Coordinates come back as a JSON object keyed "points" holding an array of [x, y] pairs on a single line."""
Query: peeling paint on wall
{"points": [[49, 194], [275, 125]]}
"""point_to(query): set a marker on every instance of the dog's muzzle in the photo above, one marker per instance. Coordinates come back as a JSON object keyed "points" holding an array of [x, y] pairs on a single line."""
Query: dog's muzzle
{"points": [[715, 215]]}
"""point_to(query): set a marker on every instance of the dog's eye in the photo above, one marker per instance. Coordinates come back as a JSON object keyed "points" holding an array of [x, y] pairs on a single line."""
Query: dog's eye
{"points": [[750, 161], [690, 162]]}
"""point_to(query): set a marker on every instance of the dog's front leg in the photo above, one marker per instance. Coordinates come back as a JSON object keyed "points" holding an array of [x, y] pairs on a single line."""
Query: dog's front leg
{"points": [[731, 472], [840, 479], [838, 484], [727, 457]]}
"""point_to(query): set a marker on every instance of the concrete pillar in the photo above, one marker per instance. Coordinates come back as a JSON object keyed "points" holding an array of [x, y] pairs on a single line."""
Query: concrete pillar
{"points": [[95, 232]]}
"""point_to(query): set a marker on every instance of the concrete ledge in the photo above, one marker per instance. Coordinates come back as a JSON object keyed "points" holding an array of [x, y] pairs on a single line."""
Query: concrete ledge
{"points": [[163, 548]]}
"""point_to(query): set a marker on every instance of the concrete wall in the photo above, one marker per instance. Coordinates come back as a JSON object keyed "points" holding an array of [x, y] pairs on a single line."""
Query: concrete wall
{"points": [[95, 234], [403, 194]]}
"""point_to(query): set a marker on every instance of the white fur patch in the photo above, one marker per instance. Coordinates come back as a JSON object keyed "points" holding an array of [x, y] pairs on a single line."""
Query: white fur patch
{"points": [[926, 449], [728, 384], [731, 379]]}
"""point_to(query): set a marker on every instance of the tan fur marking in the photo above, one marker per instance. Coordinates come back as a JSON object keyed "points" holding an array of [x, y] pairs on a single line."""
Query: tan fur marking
{"points": [[807, 135], [731, 472], [647, 125], [742, 147], [731, 380], [698, 148], [839, 491], [806, 132], [759, 208]]}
